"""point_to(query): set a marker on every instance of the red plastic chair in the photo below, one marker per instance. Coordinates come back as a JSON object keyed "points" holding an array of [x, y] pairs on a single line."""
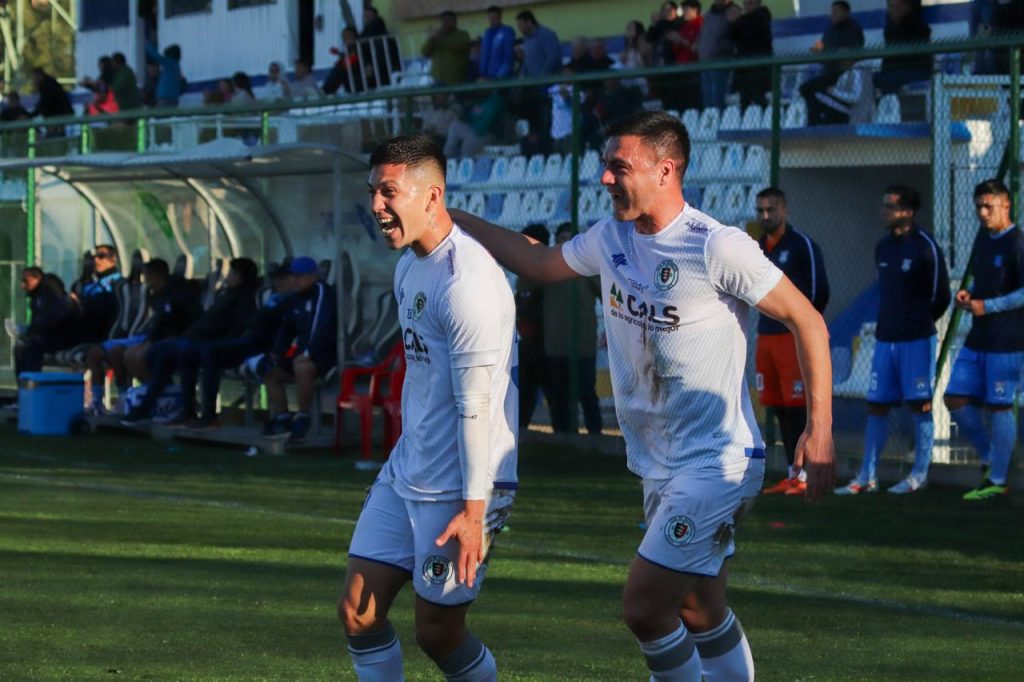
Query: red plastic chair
{"points": [[349, 398]]}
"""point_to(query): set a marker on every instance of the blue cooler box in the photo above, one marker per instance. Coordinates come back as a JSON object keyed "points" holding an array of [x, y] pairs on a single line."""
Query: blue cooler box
{"points": [[48, 402]]}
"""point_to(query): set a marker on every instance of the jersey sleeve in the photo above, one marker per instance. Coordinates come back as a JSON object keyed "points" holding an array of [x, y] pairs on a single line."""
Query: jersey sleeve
{"points": [[471, 319], [582, 253], [737, 266]]}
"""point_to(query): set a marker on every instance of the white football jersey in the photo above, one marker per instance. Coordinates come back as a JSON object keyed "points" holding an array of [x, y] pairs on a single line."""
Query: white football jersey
{"points": [[456, 310], [676, 307]]}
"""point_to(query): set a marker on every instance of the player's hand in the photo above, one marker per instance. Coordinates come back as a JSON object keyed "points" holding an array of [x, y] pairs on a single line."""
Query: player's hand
{"points": [[963, 299], [815, 452], [976, 306], [467, 528]]}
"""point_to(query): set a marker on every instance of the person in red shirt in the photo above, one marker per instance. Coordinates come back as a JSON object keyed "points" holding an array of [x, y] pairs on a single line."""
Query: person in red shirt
{"points": [[683, 92]]}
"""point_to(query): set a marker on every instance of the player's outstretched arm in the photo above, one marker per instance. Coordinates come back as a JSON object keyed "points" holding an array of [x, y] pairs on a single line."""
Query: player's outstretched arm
{"points": [[815, 450], [522, 255]]}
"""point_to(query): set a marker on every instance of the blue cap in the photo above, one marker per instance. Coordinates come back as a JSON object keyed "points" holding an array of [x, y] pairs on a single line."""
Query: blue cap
{"points": [[304, 265]]}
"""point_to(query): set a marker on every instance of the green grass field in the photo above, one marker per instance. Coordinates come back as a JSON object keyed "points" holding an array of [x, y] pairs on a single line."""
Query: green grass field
{"points": [[123, 558]]}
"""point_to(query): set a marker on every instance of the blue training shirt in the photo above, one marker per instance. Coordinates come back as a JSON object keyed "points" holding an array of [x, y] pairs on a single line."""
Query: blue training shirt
{"points": [[998, 269], [913, 285], [800, 259]]}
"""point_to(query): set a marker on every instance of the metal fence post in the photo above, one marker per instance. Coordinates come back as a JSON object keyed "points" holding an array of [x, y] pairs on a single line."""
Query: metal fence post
{"points": [[264, 128], [776, 149], [140, 136], [30, 202], [1014, 150], [574, 297]]}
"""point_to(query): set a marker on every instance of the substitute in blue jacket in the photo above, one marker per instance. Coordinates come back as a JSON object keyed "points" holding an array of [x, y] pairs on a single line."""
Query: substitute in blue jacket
{"points": [[987, 369], [913, 295], [306, 348], [98, 296], [780, 385], [497, 56]]}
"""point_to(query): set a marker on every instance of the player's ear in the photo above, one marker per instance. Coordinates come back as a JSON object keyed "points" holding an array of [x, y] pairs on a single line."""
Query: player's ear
{"points": [[435, 199], [666, 171]]}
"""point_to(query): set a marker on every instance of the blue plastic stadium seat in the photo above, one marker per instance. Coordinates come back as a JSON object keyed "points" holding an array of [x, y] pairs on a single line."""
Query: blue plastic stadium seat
{"points": [[482, 170], [493, 206]]}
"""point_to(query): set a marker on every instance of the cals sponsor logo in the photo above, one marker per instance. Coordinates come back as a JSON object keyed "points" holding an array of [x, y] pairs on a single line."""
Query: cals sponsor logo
{"points": [[628, 307], [415, 348]]}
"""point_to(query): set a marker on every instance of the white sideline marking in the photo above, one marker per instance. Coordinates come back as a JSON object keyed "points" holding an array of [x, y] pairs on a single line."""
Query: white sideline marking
{"points": [[749, 582]]}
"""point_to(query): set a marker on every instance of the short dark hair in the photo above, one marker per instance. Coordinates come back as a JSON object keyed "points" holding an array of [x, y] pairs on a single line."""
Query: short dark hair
{"points": [[174, 52], [906, 197], [660, 130], [409, 150], [692, 3], [842, 3], [371, 8], [156, 266], [448, 13], [106, 247], [119, 58], [246, 269], [772, 193], [526, 15], [33, 271], [539, 232], [993, 186], [493, 9]]}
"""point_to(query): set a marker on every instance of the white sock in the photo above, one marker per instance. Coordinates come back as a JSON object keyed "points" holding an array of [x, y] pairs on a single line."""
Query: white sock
{"points": [[377, 657], [471, 661], [725, 653], [672, 658]]}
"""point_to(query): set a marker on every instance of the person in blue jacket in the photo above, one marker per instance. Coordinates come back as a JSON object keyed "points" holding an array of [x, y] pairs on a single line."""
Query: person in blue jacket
{"points": [[497, 56], [987, 370], [913, 295], [306, 348], [168, 85]]}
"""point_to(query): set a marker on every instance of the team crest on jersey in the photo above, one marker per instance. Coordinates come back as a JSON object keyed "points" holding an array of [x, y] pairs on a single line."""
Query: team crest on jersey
{"points": [[999, 388], [906, 264], [437, 569], [667, 275], [679, 530], [998, 262], [783, 257], [419, 304]]}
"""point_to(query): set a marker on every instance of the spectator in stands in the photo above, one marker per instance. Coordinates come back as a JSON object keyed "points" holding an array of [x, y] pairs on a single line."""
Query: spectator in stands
{"points": [[347, 72], [381, 54], [530, 325], [97, 298], [619, 99], [579, 57], [53, 100], [559, 344], [904, 25], [682, 91], [667, 20], [752, 34], [103, 101], [310, 319], [257, 337], [438, 118], [150, 83], [780, 384], [599, 59], [1007, 16], [561, 116], [542, 53], [276, 87], [303, 85], [224, 93], [913, 295], [542, 56], [243, 89], [169, 84], [497, 58], [448, 51], [987, 372], [636, 51], [227, 318], [124, 86], [979, 25], [54, 321], [480, 121], [843, 33], [13, 111], [851, 99], [715, 43]]}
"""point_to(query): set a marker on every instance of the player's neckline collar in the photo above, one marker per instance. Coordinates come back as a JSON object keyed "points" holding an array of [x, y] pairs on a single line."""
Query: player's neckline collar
{"points": [[672, 224]]}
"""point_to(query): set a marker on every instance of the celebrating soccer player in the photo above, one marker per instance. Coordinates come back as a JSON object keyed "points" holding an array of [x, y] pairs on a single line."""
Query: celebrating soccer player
{"points": [[449, 483], [678, 287], [987, 370]]}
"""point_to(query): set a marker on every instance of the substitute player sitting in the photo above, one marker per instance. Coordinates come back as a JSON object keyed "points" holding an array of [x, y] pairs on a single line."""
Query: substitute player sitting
{"points": [[987, 370], [678, 287], [449, 482]]}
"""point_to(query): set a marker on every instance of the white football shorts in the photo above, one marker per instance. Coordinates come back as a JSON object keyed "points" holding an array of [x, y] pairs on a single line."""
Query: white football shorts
{"points": [[401, 533], [691, 519]]}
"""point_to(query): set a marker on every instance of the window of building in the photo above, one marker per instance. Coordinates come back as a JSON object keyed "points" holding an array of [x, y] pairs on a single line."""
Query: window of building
{"points": [[96, 14], [176, 7], [237, 4]]}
